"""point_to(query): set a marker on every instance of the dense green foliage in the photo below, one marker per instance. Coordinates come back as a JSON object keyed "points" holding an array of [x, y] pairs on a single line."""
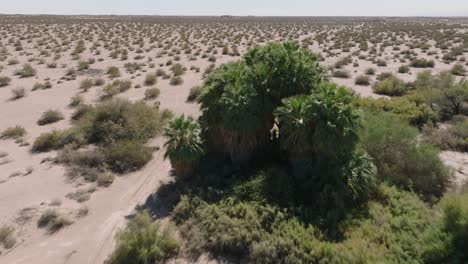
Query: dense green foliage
{"points": [[143, 242], [399, 158], [291, 172]]}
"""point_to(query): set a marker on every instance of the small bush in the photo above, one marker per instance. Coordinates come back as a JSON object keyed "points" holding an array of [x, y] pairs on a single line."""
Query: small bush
{"points": [[48, 141], [128, 155], [403, 69], [113, 72], [150, 79], [76, 100], [458, 69], [52, 221], [144, 242], [18, 93], [176, 80], [341, 74], [422, 63], [7, 238], [49, 117], [370, 71], [194, 93], [13, 133], [4, 81], [26, 71], [390, 86], [362, 80], [86, 84], [152, 93]]}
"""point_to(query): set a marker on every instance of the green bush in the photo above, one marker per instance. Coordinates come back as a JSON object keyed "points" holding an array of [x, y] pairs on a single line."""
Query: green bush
{"points": [[49, 117], [26, 71], [4, 81], [127, 156], [455, 207], [176, 80], [194, 93], [393, 146], [48, 141], [397, 228], [150, 79], [458, 69], [152, 93], [144, 242], [422, 63], [403, 69], [362, 80], [13, 132], [391, 86]]}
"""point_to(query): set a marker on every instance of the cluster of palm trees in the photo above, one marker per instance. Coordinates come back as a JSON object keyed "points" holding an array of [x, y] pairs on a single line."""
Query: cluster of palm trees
{"points": [[279, 85]]}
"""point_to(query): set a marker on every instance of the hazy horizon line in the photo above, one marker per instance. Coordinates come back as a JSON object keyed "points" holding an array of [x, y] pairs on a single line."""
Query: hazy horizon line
{"points": [[173, 15]]}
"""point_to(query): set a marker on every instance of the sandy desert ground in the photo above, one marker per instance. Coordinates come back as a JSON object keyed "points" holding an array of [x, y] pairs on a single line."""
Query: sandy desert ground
{"points": [[65, 51]]}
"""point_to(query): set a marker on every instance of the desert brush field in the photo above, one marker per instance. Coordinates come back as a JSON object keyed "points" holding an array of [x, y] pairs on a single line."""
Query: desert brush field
{"points": [[149, 139]]}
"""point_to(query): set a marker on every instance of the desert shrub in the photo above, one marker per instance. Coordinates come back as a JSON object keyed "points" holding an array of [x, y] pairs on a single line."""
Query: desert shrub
{"points": [[455, 137], [399, 158], [7, 238], [114, 88], [48, 141], [176, 80], [4, 81], [18, 93], [194, 93], [362, 80], [422, 63], [86, 84], [150, 79], [178, 69], [455, 207], [120, 119], [458, 69], [370, 71], [13, 132], [341, 74], [42, 86], [391, 86], [144, 242], [152, 93], [76, 100], [49, 117], [26, 71], [105, 179], [414, 113], [53, 221], [403, 69], [384, 75], [381, 63], [113, 72], [265, 233], [127, 155]]}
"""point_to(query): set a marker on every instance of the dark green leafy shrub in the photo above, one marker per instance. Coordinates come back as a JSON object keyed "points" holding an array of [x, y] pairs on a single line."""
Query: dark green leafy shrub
{"points": [[455, 219]]}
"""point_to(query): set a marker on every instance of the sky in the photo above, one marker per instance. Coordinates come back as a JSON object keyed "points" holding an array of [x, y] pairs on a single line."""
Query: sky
{"points": [[240, 7]]}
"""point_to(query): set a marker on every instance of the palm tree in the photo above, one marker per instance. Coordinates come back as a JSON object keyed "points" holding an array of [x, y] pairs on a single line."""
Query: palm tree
{"points": [[294, 119], [184, 146]]}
